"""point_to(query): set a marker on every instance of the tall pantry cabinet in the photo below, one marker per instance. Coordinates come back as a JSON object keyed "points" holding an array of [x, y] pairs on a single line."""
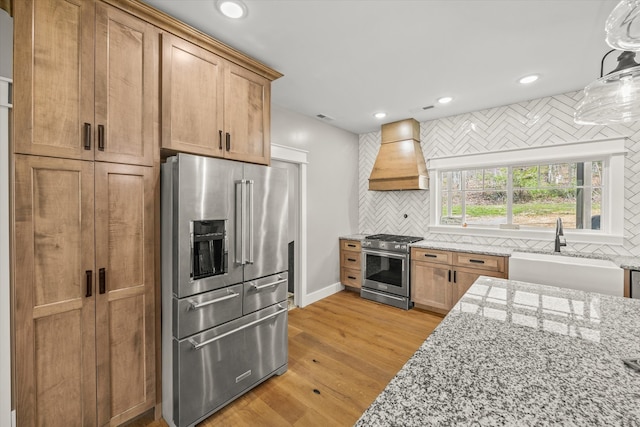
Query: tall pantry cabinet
{"points": [[85, 130]]}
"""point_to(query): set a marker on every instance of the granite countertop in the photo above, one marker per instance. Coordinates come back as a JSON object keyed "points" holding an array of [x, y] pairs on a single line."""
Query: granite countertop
{"points": [[628, 262], [354, 237], [464, 247], [516, 353]]}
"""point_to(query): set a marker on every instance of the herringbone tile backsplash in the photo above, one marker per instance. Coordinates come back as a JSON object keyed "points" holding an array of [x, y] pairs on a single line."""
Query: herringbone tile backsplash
{"points": [[544, 121]]}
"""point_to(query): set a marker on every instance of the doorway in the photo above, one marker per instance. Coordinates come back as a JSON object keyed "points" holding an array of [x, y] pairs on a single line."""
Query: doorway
{"points": [[294, 162]]}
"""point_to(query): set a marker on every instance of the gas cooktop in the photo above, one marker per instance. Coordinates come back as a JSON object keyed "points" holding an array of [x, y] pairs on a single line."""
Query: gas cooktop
{"points": [[395, 238]]}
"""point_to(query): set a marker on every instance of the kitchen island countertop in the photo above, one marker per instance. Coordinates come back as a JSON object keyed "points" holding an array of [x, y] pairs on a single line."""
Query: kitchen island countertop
{"points": [[516, 353]]}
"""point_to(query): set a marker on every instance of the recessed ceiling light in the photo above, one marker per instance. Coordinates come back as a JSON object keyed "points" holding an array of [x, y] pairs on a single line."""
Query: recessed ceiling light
{"points": [[380, 115], [445, 100], [528, 79], [232, 8]]}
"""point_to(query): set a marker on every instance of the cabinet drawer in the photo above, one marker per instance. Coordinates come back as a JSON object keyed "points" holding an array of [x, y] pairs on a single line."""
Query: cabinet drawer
{"points": [[350, 260], [350, 245], [350, 277], [480, 262], [261, 293], [200, 312], [430, 255]]}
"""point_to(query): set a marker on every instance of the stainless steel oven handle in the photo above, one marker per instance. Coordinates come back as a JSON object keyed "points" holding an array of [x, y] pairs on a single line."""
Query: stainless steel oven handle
{"points": [[195, 304], [197, 346], [384, 295], [268, 285], [387, 254]]}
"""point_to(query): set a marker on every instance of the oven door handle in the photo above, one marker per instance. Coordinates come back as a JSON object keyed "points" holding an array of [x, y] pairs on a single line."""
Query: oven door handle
{"points": [[386, 254], [384, 295]]}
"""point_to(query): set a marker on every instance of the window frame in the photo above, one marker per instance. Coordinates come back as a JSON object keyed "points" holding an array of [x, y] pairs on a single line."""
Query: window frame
{"points": [[610, 151]]}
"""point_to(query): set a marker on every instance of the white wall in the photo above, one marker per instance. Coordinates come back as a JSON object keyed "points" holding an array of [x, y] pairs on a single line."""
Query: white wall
{"points": [[332, 188], [6, 64]]}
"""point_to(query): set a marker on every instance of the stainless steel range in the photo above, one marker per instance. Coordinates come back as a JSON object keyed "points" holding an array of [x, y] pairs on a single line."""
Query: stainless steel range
{"points": [[385, 266]]}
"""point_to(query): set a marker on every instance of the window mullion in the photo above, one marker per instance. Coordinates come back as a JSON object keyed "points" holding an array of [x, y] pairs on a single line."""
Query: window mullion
{"points": [[509, 195], [449, 194], [463, 195]]}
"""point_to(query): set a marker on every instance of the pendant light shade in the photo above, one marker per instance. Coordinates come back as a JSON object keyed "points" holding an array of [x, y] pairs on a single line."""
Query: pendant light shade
{"points": [[614, 98], [623, 26]]}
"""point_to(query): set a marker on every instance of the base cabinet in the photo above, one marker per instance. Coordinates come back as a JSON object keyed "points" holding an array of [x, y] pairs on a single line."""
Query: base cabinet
{"points": [[440, 278], [350, 264]]}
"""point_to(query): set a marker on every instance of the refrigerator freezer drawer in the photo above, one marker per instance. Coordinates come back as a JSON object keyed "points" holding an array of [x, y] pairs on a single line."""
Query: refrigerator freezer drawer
{"points": [[204, 311], [217, 366], [261, 293]]}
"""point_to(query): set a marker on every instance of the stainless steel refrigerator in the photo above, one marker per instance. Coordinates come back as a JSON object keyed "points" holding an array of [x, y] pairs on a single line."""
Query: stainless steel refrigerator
{"points": [[224, 282]]}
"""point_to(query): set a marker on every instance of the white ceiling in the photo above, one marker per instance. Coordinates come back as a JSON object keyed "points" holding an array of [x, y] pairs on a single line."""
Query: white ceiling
{"points": [[348, 59]]}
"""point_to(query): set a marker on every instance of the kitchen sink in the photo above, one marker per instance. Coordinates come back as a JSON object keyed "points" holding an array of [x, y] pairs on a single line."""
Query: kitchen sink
{"points": [[585, 274]]}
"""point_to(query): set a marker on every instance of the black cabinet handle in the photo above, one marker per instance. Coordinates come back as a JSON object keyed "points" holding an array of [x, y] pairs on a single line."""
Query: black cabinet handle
{"points": [[219, 140], [477, 261], [87, 136], [351, 246], [89, 275], [228, 137], [449, 275], [101, 137], [351, 277], [351, 259], [454, 277], [431, 256], [102, 280]]}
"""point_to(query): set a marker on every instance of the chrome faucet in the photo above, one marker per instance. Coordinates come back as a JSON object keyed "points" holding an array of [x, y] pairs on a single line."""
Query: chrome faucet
{"points": [[560, 240]]}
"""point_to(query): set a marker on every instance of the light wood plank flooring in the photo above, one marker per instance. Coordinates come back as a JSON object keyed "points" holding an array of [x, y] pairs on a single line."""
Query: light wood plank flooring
{"points": [[343, 350]]}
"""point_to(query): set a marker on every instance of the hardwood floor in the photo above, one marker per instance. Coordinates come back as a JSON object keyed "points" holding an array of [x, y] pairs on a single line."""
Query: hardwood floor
{"points": [[343, 350]]}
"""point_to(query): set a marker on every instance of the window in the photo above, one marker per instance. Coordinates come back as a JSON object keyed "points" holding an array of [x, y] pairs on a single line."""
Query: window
{"points": [[522, 192], [525, 195]]}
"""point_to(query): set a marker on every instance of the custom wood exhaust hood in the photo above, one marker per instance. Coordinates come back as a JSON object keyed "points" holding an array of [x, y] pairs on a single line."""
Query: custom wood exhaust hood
{"points": [[400, 164]]}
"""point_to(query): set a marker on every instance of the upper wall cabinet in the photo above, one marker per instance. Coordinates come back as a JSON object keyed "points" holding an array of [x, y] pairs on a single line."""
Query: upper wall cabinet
{"points": [[85, 82], [192, 100], [211, 106]]}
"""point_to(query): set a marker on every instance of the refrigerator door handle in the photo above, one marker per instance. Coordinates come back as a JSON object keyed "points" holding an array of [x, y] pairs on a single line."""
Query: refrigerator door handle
{"points": [[250, 222], [240, 216]]}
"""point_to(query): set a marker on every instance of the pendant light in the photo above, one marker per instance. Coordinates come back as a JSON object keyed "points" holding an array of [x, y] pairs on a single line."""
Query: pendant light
{"points": [[623, 26], [614, 98]]}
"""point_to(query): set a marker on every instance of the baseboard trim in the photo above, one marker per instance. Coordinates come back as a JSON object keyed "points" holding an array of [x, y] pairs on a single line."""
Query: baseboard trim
{"points": [[321, 293]]}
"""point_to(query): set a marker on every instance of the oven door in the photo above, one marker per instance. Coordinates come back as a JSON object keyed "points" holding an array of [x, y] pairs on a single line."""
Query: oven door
{"points": [[385, 271]]}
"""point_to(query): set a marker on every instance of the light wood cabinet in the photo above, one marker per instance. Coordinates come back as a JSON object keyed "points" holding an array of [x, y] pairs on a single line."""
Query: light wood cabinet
{"points": [[85, 143], [53, 267], [247, 115], [86, 89], [211, 106], [124, 230], [192, 100], [350, 266], [430, 285], [84, 301], [440, 278]]}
